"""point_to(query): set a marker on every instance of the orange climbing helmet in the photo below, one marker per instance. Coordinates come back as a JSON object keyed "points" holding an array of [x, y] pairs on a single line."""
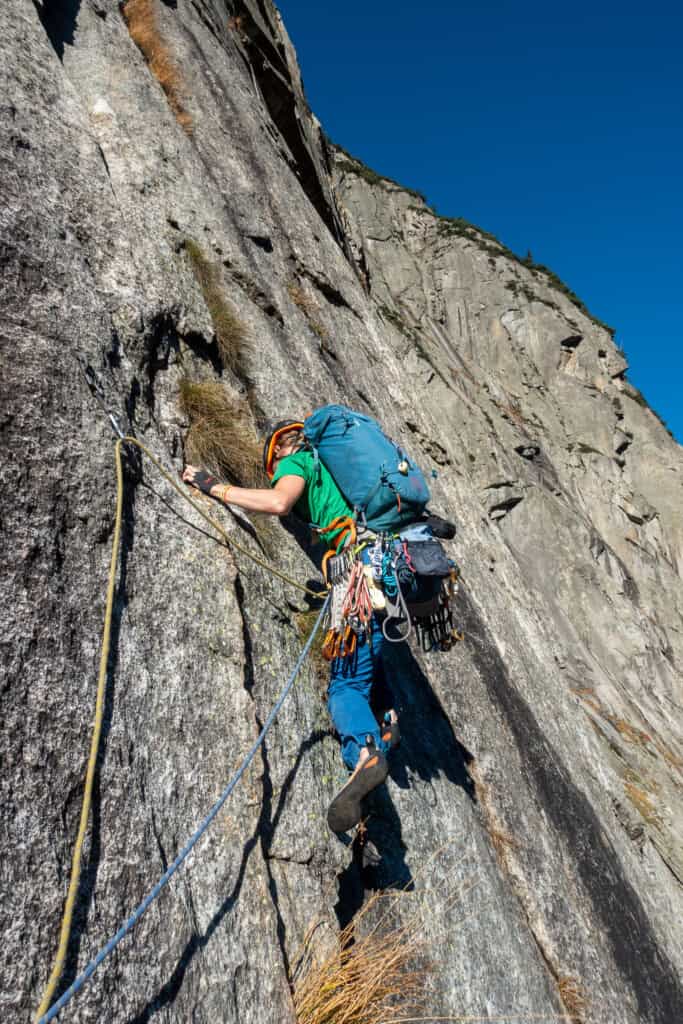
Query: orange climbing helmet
{"points": [[281, 428]]}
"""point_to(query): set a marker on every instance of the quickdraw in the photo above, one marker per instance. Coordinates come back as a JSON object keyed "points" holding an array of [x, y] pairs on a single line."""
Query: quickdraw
{"points": [[357, 606], [351, 603], [339, 643]]}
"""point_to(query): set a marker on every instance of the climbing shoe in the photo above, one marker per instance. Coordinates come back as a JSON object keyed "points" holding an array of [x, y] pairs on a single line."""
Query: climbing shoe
{"points": [[391, 734], [345, 810]]}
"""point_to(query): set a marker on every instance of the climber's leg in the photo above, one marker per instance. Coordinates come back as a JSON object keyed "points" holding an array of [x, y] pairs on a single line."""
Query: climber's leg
{"points": [[351, 681]]}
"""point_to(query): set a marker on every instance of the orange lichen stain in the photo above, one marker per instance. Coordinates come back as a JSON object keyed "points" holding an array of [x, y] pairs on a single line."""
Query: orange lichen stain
{"points": [[141, 18]]}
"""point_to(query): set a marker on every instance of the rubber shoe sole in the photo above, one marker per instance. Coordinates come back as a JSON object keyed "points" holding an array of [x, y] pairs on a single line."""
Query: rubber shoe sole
{"points": [[345, 810], [391, 734]]}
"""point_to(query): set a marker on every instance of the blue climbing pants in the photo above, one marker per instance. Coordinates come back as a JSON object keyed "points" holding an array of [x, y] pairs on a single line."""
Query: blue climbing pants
{"points": [[354, 681]]}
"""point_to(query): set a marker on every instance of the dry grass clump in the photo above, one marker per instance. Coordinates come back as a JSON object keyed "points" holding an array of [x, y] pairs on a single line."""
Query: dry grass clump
{"points": [[573, 998], [141, 19], [231, 334], [309, 308], [373, 978], [629, 732], [222, 437]]}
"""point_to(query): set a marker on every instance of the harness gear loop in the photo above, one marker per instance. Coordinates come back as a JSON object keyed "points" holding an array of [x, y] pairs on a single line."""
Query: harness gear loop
{"points": [[347, 531]]}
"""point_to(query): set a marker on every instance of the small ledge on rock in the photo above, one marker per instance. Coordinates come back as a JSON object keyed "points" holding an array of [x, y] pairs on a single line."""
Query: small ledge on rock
{"points": [[528, 451], [500, 510], [262, 241], [623, 440], [638, 510], [500, 483]]}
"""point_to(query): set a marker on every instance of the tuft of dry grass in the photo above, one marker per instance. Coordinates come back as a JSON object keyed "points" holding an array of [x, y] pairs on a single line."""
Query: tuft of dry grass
{"points": [[222, 437], [573, 998], [629, 732], [501, 840], [231, 334], [141, 18], [309, 308], [377, 975]]}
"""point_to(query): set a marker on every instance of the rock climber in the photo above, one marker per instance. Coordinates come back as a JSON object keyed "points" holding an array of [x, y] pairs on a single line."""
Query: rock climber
{"points": [[301, 484]]}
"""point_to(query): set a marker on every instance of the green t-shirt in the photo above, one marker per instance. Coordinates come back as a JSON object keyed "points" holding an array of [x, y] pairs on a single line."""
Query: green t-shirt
{"points": [[321, 501]]}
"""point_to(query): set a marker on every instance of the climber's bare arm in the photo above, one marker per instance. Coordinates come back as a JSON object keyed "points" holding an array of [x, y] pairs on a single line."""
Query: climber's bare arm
{"points": [[276, 501]]}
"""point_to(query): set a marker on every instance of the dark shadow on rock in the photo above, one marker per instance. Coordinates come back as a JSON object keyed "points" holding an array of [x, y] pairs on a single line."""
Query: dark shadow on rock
{"points": [[429, 747], [385, 869], [59, 18], [635, 948], [350, 887]]}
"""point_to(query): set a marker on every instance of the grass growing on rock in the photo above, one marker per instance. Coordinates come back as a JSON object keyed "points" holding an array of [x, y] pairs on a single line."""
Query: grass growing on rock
{"points": [[222, 437], [309, 308], [141, 18], [573, 998], [377, 975], [231, 334]]}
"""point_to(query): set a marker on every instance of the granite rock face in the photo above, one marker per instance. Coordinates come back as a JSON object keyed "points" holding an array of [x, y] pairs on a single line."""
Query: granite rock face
{"points": [[534, 806]]}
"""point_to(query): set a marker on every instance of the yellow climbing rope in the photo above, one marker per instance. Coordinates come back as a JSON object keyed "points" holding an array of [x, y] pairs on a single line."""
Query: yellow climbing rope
{"points": [[94, 748], [67, 918]]}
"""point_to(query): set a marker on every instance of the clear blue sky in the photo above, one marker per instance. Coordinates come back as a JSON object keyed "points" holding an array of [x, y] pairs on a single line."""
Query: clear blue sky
{"points": [[557, 129]]}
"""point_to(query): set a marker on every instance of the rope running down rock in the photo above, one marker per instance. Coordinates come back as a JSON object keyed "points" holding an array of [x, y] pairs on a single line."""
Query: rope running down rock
{"points": [[43, 1015]]}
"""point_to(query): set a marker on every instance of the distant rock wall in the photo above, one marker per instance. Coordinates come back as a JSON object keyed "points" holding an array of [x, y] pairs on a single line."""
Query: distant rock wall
{"points": [[534, 804]]}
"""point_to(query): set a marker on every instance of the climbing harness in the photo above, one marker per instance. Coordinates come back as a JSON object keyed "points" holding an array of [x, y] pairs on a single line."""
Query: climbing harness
{"points": [[411, 581], [65, 931]]}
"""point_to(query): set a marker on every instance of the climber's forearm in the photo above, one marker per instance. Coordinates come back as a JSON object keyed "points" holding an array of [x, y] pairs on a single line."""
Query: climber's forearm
{"points": [[276, 502], [253, 499]]}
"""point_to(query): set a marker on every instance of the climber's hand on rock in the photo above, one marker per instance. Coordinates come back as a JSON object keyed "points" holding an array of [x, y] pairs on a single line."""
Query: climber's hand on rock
{"points": [[199, 478]]}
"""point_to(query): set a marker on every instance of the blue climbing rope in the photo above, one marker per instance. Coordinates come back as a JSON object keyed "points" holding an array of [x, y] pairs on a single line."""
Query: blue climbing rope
{"points": [[168, 874]]}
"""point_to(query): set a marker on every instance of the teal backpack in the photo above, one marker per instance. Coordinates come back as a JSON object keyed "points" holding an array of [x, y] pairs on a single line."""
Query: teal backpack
{"points": [[380, 481]]}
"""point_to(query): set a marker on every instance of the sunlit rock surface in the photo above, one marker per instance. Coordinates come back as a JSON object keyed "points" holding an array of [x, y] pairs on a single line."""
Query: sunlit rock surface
{"points": [[534, 806]]}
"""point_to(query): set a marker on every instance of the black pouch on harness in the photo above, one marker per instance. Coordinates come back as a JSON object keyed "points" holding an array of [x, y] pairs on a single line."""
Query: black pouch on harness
{"points": [[429, 605], [428, 558], [431, 566], [422, 570]]}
